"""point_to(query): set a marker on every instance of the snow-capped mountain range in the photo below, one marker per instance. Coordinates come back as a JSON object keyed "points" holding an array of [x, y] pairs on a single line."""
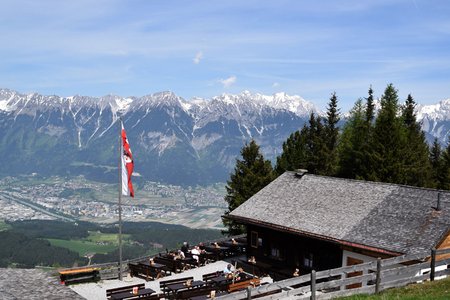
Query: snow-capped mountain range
{"points": [[173, 140]]}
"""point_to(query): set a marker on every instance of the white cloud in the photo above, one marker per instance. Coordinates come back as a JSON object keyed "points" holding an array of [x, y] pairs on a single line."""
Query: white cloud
{"points": [[198, 57], [228, 81], [275, 84]]}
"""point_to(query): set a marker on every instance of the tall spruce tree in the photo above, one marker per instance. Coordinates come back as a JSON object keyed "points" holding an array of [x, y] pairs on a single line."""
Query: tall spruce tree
{"points": [[250, 175], [445, 169], [316, 147], [388, 141], [331, 135], [367, 171], [370, 107], [351, 144], [436, 163], [294, 155], [417, 165]]}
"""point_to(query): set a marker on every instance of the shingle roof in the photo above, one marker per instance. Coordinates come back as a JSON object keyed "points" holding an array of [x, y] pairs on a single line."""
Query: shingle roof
{"points": [[392, 217], [32, 284]]}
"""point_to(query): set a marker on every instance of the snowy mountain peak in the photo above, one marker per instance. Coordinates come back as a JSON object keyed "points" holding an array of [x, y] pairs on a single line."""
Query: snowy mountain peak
{"points": [[281, 100], [439, 111]]}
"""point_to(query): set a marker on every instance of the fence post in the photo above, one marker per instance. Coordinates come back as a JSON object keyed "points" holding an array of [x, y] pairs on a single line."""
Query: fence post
{"points": [[313, 285], [378, 278], [249, 294], [432, 263]]}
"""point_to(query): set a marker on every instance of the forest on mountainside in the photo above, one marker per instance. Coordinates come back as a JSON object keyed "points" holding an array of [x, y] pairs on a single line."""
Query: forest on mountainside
{"points": [[30, 243], [387, 145]]}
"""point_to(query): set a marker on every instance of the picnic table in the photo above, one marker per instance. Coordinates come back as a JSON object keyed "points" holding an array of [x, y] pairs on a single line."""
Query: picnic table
{"points": [[156, 266], [220, 280], [235, 247], [219, 251], [129, 294], [177, 286]]}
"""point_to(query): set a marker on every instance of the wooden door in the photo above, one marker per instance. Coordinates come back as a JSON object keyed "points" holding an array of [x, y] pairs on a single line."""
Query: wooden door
{"points": [[350, 262]]}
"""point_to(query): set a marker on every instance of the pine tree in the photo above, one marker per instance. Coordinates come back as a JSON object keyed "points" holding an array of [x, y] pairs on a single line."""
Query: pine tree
{"points": [[417, 165], [370, 107], [294, 155], [367, 171], [436, 163], [351, 144], [445, 169], [388, 141], [251, 174], [331, 135], [316, 148]]}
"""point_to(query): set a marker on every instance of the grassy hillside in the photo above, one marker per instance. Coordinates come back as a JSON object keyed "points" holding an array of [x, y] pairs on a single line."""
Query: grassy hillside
{"points": [[66, 243], [435, 290]]}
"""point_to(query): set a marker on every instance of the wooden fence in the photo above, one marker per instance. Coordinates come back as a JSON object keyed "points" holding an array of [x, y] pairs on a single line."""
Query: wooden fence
{"points": [[375, 276]]}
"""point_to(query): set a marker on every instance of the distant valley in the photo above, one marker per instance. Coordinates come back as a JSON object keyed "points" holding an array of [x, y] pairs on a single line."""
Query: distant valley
{"points": [[77, 199]]}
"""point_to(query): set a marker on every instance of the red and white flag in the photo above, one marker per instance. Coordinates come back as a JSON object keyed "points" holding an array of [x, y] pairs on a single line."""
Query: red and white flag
{"points": [[127, 166]]}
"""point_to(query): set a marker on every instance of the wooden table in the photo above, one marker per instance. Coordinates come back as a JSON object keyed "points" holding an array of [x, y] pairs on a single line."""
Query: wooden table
{"points": [[156, 266], [182, 285], [220, 280], [128, 295]]}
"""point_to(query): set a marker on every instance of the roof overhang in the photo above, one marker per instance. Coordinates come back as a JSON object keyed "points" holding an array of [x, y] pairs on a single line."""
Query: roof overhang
{"points": [[282, 228]]}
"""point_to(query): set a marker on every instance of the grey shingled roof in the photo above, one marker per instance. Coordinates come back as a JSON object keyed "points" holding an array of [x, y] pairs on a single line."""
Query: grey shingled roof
{"points": [[390, 217], [32, 284]]}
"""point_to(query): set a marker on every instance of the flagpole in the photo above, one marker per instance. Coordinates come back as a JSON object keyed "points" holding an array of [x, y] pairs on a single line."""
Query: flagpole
{"points": [[120, 199]]}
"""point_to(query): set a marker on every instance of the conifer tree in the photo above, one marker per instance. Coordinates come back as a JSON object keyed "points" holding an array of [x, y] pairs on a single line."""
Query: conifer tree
{"points": [[445, 170], [316, 147], [417, 165], [388, 142], [250, 175], [436, 163], [331, 135], [370, 107], [294, 155], [367, 171], [351, 144]]}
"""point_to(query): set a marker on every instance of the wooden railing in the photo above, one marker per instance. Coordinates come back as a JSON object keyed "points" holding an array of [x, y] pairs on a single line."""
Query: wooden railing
{"points": [[376, 276]]}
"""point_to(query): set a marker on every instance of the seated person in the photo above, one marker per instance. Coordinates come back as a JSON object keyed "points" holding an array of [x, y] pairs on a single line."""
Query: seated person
{"points": [[202, 248], [195, 253], [228, 272], [216, 245], [233, 241], [179, 255], [185, 247], [296, 273]]}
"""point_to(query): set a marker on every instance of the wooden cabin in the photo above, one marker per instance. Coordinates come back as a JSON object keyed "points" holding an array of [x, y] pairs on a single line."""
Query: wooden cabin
{"points": [[316, 222]]}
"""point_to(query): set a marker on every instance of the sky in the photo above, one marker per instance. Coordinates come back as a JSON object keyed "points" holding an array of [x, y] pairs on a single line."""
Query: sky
{"points": [[207, 48]]}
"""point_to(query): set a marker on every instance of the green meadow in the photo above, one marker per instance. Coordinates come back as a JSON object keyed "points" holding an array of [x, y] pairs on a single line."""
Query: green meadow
{"points": [[96, 242], [435, 290]]}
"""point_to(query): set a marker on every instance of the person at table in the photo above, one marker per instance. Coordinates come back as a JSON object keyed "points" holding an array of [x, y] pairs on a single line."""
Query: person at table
{"points": [[185, 247], [179, 255], [234, 242], [296, 272], [196, 253], [202, 247], [228, 272], [216, 246]]}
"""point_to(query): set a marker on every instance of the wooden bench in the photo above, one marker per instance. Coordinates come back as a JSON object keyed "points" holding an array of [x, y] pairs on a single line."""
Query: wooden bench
{"points": [[142, 271], [111, 292], [207, 277], [79, 275], [189, 293], [172, 265], [163, 284], [240, 285]]}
